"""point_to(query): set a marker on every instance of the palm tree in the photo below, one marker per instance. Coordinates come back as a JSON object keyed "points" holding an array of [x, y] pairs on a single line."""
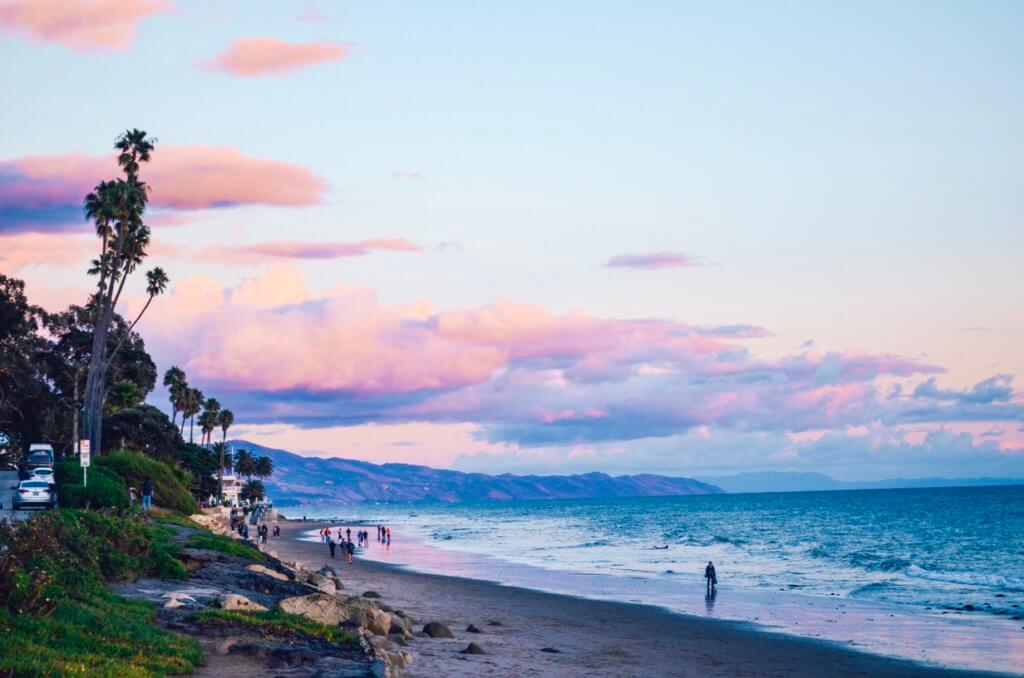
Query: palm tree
{"points": [[207, 422], [243, 463], [263, 467], [174, 380], [156, 283], [116, 207], [192, 403], [226, 418]]}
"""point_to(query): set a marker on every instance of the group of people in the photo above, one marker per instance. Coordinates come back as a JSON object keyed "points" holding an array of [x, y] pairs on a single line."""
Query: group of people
{"points": [[348, 548], [240, 525], [383, 535]]}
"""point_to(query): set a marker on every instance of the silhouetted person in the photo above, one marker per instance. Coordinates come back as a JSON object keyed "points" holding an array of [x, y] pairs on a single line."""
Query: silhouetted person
{"points": [[709, 574], [332, 545], [147, 495]]}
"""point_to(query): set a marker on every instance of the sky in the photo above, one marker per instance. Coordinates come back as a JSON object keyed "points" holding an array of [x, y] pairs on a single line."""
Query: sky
{"points": [[669, 237]]}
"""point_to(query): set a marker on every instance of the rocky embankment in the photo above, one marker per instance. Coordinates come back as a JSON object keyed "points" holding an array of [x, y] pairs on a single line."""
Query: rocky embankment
{"points": [[276, 616]]}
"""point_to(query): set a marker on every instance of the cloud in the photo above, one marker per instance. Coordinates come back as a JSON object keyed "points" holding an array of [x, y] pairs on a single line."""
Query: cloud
{"points": [[46, 192], [259, 57], [522, 375], [410, 176], [297, 249], [20, 250], [82, 24], [993, 389], [310, 12], [651, 261]]}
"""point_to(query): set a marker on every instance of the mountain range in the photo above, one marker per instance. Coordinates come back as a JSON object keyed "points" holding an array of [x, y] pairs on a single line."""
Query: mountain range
{"points": [[300, 480], [791, 481]]}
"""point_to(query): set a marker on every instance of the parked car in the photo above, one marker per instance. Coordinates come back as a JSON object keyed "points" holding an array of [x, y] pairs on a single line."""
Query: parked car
{"points": [[39, 454], [34, 493], [42, 473]]}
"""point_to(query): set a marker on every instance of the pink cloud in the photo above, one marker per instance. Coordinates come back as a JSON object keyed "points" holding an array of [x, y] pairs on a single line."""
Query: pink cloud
{"points": [[37, 192], [298, 249], [651, 261], [81, 24], [20, 250], [259, 57]]}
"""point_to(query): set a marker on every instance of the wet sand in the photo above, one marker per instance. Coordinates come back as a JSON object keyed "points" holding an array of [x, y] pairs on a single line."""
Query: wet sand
{"points": [[592, 637]]}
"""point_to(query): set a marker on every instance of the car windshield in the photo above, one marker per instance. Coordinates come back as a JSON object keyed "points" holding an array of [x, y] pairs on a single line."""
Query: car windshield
{"points": [[35, 485], [39, 458]]}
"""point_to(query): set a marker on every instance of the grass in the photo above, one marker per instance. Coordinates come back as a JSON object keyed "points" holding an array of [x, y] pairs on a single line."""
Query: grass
{"points": [[232, 547], [179, 519], [170, 485], [57, 616], [96, 635], [276, 622]]}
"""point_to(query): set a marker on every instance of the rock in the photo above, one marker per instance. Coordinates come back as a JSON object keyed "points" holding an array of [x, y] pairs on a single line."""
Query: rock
{"points": [[398, 639], [494, 622], [371, 594], [437, 630], [550, 649], [968, 607], [338, 586], [330, 610], [473, 629], [386, 608], [379, 642], [398, 627], [322, 582], [473, 648], [233, 601], [395, 659], [274, 574]]}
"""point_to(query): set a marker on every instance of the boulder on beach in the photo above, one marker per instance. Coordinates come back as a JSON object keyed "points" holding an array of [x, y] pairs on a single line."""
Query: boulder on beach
{"points": [[233, 601], [473, 648], [472, 628], [371, 594], [437, 630], [260, 569], [330, 610], [322, 582]]}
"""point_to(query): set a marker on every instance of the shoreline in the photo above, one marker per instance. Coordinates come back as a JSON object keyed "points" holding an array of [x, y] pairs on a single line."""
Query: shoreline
{"points": [[592, 637]]}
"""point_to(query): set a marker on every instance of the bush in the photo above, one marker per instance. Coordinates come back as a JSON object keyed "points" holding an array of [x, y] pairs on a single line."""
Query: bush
{"points": [[232, 547], [169, 484], [106, 489]]}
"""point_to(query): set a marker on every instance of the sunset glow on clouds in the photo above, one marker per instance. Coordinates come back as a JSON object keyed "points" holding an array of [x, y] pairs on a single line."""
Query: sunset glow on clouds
{"points": [[528, 378], [46, 193], [441, 253], [651, 261], [259, 57], [80, 24]]}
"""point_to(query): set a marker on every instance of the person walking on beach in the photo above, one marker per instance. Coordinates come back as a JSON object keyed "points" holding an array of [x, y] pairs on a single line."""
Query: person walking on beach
{"points": [[277, 530], [147, 495], [332, 546], [388, 538], [711, 577], [349, 550], [348, 534]]}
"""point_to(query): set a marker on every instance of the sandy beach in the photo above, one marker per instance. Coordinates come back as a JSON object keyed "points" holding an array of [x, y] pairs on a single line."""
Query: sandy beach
{"points": [[528, 632]]}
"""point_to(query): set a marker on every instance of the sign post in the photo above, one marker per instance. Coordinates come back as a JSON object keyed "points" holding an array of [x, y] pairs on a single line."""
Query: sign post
{"points": [[83, 459]]}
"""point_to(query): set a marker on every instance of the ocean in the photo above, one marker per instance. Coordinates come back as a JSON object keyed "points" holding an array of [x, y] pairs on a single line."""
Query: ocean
{"points": [[943, 569]]}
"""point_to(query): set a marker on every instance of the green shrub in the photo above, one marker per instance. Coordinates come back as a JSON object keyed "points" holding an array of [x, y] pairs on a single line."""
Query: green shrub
{"points": [[105, 489], [170, 484], [178, 519], [232, 547]]}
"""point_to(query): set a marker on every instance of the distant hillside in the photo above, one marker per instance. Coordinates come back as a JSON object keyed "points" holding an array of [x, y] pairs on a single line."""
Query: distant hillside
{"points": [[300, 479], [783, 481]]}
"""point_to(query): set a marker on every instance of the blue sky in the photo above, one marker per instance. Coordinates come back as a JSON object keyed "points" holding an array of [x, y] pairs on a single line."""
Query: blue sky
{"points": [[846, 174]]}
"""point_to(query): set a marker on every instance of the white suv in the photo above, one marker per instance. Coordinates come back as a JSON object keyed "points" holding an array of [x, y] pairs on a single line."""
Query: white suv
{"points": [[33, 493]]}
